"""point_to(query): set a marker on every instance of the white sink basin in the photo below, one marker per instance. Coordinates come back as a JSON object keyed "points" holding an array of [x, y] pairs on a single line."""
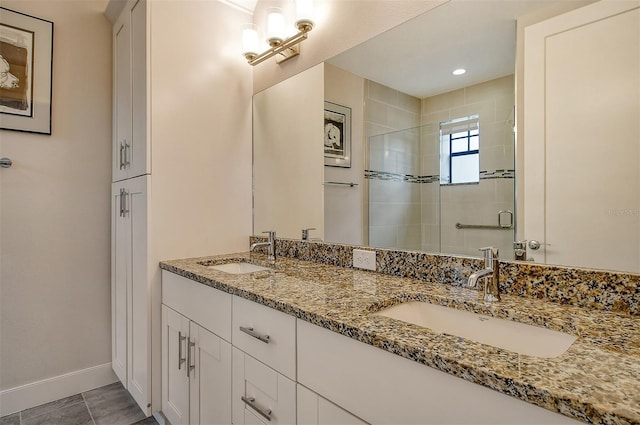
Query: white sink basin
{"points": [[238, 268], [513, 336]]}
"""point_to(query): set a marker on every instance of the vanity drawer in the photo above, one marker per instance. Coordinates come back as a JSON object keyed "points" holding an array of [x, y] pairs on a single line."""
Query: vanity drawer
{"points": [[266, 334], [208, 307], [260, 394]]}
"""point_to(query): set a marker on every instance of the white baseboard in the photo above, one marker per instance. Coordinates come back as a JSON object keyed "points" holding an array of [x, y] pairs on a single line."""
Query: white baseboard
{"points": [[51, 389]]}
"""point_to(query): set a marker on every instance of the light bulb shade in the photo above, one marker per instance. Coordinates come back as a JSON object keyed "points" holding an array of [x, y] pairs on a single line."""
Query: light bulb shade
{"points": [[250, 44], [304, 15], [275, 27]]}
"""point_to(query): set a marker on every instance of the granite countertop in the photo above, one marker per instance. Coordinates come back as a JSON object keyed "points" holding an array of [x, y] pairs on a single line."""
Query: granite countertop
{"points": [[597, 380]]}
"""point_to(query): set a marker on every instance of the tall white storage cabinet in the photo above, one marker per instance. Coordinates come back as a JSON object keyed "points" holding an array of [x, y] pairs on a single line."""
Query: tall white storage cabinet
{"points": [[181, 133], [131, 287]]}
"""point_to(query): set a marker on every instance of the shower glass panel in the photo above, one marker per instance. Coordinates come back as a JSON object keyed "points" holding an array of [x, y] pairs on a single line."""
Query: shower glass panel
{"points": [[409, 209]]}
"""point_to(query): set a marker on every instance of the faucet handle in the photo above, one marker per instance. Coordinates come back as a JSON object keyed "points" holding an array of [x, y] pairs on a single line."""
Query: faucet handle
{"points": [[489, 250], [271, 233], [490, 254]]}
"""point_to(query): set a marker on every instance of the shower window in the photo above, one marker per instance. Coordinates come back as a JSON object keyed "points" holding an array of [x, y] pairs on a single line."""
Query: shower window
{"points": [[460, 151]]}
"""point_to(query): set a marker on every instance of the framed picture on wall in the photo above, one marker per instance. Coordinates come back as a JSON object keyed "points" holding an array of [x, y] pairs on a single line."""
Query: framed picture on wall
{"points": [[337, 135], [26, 58]]}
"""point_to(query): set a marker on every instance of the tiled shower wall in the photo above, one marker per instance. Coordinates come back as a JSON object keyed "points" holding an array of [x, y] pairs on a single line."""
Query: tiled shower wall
{"points": [[408, 209], [394, 205], [478, 203]]}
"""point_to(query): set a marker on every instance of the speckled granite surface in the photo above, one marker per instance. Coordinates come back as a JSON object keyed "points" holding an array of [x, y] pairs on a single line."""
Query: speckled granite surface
{"points": [[597, 380], [604, 290]]}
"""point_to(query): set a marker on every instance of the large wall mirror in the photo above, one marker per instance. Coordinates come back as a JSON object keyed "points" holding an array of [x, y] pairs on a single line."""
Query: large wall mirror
{"points": [[435, 158]]}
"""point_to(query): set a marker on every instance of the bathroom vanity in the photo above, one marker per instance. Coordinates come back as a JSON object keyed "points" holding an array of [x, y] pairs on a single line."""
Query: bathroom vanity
{"points": [[300, 342]]}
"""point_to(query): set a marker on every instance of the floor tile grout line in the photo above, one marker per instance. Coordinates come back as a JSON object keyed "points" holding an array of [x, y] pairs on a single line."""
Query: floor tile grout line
{"points": [[88, 409], [56, 409]]}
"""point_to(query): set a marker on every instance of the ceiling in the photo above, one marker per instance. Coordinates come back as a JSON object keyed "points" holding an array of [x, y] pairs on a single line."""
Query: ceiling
{"points": [[418, 57], [246, 5]]}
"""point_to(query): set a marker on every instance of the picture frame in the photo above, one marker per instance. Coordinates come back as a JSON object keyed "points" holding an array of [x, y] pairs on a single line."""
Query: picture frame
{"points": [[26, 64], [337, 135]]}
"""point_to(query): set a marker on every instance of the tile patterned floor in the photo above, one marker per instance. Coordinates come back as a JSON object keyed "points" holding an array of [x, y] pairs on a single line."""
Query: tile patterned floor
{"points": [[108, 405]]}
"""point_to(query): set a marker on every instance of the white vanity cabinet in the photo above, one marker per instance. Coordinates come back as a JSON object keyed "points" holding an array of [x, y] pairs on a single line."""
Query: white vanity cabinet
{"points": [[383, 388], [260, 394], [316, 410], [226, 358], [264, 364], [129, 158], [266, 334], [196, 362]]}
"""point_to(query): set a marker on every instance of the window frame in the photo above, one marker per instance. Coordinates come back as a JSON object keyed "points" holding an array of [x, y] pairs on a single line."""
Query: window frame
{"points": [[470, 127]]}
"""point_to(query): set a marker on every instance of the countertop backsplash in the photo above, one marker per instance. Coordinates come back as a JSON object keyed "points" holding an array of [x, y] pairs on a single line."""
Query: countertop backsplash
{"points": [[598, 289]]}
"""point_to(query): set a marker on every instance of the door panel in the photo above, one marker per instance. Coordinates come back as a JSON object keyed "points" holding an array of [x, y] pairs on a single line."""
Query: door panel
{"points": [[175, 383], [122, 93], [120, 250], [582, 180], [139, 294], [210, 384]]}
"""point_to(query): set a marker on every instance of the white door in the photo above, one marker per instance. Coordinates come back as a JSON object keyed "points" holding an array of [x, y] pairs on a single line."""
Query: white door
{"points": [[122, 96], [121, 257], [139, 295], [210, 383], [175, 383], [138, 159], [582, 137]]}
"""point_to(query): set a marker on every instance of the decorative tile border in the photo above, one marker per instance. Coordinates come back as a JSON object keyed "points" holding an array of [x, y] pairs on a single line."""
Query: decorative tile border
{"points": [[602, 290], [497, 174], [409, 178], [383, 175]]}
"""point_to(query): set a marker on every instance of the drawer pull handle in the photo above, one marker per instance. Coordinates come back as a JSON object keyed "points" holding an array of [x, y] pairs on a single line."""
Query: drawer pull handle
{"points": [[265, 413], [256, 335], [190, 366], [180, 358]]}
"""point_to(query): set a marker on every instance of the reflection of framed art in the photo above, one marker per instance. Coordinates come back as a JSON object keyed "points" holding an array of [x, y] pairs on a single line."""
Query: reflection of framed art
{"points": [[337, 135], [26, 53]]}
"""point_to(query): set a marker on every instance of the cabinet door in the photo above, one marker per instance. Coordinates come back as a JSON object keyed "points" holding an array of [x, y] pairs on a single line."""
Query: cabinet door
{"points": [[261, 392], [120, 259], [139, 296], [175, 383], [122, 94], [137, 157], [210, 379], [315, 410]]}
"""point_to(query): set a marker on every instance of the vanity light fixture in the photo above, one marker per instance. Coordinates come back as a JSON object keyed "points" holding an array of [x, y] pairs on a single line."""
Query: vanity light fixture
{"points": [[459, 71], [284, 48]]}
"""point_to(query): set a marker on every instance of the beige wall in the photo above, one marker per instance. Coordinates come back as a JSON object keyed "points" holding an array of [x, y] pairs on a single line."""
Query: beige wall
{"points": [[340, 25], [288, 164], [55, 245], [343, 205], [200, 116]]}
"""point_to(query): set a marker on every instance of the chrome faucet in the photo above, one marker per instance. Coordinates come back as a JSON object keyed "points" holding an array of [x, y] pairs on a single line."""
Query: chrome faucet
{"points": [[490, 274], [270, 244]]}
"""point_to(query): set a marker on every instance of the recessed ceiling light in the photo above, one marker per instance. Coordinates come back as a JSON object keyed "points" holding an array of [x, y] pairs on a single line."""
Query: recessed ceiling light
{"points": [[459, 71]]}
